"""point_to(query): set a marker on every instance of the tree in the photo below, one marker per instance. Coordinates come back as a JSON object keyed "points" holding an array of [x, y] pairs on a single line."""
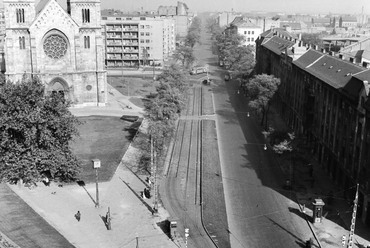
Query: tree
{"points": [[185, 55], [312, 39], [193, 35], [261, 89], [36, 131], [166, 105]]}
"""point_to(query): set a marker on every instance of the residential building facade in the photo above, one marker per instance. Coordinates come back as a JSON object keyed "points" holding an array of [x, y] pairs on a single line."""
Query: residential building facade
{"points": [[137, 40], [62, 48], [325, 100], [247, 29]]}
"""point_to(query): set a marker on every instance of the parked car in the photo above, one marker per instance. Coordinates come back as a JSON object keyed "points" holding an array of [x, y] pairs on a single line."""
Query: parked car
{"points": [[198, 70]]}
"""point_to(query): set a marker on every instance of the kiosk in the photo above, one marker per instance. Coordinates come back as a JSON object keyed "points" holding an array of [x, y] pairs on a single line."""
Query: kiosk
{"points": [[318, 206]]}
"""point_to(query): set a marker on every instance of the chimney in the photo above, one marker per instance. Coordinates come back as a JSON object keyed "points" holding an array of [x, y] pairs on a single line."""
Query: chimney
{"points": [[366, 82], [300, 36], [323, 50], [341, 56], [316, 47]]}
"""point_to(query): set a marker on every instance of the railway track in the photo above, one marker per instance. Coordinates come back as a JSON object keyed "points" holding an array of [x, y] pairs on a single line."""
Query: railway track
{"points": [[183, 186]]}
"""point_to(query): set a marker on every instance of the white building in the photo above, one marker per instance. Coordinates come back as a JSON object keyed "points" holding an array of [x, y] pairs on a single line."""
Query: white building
{"points": [[247, 29]]}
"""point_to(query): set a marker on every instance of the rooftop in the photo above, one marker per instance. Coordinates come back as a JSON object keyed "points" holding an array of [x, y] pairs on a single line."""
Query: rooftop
{"points": [[277, 44], [333, 71], [308, 58]]}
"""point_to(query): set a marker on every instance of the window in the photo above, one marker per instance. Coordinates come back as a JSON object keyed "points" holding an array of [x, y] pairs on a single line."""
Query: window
{"points": [[128, 18], [142, 33], [252, 32], [104, 18], [147, 34], [245, 32], [20, 15], [142, 41], [55, 46], [147, 26], [248, 39], [141, 26], [22, 42], [118, 18], [87, 42], [147, 48], [252, 39], [249, 32], [147, 41], [142, 18], [85, 15]]}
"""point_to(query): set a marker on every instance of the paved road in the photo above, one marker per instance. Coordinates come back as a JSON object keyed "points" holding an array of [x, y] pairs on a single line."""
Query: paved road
{"points": [[24, 226], [260, 213]]}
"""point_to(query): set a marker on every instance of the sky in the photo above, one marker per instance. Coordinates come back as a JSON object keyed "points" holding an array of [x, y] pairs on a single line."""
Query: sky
{"points": [[290, 6], [285, 6]]}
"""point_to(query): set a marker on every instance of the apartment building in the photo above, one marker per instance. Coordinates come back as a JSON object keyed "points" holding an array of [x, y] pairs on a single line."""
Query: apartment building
{"points": [[137, 40], [325, 100], [246, 28]]}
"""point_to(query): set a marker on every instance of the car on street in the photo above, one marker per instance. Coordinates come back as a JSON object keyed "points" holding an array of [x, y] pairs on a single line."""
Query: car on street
{"points": [[198, 70], [207, 81]]}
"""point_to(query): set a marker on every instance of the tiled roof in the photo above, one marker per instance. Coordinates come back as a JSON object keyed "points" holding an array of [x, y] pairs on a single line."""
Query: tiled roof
{"points": [[308, 58], [277, 44], [270, 33], [363, 76], [333, 71], [293, 25]]}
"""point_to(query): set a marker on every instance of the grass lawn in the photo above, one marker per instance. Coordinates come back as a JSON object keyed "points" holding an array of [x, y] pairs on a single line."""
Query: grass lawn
{"points": [[104, 138], [132, 86], [214, 208]]}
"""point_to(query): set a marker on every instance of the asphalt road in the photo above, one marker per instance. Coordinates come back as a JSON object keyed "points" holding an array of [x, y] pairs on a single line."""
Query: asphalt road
{"points": [[260, 213]]}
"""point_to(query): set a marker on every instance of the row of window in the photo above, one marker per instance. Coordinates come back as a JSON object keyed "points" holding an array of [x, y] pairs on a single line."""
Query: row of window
{"points": [[250, 39], [22, 42], [249, 32], [85, 16], [147, 34], [20, 15], [144, 41]]}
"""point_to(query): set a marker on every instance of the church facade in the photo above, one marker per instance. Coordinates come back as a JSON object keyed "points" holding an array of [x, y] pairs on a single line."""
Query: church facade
{"points": [[65, 49]]}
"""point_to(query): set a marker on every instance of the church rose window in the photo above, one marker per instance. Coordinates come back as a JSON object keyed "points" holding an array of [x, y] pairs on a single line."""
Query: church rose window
{"points": [[55, 46]]}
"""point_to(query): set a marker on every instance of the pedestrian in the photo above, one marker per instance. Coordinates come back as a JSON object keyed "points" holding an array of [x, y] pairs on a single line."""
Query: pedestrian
{"points": [[78, 216]]}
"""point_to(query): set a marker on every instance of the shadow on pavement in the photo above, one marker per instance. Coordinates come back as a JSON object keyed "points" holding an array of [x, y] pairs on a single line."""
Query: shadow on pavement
{"points": [[139, 197]]}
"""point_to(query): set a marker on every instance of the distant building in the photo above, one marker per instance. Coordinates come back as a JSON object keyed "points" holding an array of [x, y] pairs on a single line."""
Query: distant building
{"points": [[181, 15], [136, 40], [225, 18], [247, 29], [348, 22], [63, 48]]}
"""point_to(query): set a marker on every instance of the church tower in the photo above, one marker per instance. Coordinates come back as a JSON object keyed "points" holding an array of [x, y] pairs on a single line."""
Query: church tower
{"points": [[19, 14]]}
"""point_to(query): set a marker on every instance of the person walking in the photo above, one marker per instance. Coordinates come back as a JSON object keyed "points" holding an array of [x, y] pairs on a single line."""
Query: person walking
{"points": [[78, 216]]}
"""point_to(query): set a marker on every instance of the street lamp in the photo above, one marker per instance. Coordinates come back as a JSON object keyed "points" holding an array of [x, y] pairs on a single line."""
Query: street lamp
{"points": [[96, 166]]}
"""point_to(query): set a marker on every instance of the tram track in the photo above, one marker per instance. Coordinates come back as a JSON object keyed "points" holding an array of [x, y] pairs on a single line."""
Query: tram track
{"points": [[183, 187]]}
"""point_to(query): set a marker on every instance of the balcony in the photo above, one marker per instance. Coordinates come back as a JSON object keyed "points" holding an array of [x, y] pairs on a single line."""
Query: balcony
{"points": [[114, 43]]}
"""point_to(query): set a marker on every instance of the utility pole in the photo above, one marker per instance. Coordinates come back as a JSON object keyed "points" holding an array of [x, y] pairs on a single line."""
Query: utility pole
{"points": [[353, 221]]}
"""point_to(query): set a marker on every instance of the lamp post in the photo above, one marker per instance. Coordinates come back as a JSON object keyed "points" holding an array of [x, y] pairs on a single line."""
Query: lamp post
{"points": [[96, 166]]}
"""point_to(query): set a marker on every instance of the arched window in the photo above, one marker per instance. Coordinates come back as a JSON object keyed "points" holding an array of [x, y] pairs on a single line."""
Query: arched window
{"points": [[20, 15], [87, 42], [85, 15]]}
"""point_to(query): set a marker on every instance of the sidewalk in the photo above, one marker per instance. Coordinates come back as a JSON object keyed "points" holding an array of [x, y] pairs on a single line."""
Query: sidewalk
{"points": [[312, 183], [132, 222]]}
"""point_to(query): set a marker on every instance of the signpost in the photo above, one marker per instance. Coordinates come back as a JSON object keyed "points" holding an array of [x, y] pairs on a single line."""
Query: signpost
{"points": [[96, 166]]}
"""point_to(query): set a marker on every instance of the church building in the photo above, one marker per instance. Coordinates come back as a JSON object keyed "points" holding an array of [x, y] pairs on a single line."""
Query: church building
{"points": [[65, 49]]}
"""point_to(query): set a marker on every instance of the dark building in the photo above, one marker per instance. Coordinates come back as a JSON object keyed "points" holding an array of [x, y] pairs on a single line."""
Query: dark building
{"points": [[325, 100]]}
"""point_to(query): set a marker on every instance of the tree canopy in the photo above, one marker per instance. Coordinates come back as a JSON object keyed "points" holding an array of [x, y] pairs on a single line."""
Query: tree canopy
{"points": [[237, 57], [193, 35], [261, 89], [166, 105], [36, 131], [184, 54]]}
